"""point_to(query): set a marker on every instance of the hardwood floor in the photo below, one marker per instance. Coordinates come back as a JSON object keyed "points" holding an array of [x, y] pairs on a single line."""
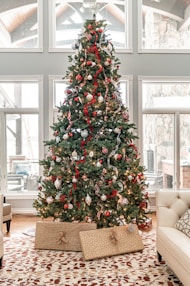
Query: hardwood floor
{"points": [[20, 223]]}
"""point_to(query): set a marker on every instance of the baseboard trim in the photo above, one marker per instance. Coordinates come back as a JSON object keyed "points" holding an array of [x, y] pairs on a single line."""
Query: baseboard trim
{"points": [[23, 211]]}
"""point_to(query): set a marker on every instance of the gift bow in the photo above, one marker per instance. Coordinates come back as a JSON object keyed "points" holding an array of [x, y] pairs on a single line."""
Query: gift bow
{"points": [[113, 237], [62, 238]]}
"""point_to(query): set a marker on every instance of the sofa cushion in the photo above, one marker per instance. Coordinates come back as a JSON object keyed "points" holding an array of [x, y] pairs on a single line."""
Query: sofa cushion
{"points": [[183, 224]]}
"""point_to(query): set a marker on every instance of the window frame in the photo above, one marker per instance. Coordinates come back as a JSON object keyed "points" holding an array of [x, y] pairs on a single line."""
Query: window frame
{"points": [[52, 29], [22, 110], [167, 110], [40, 35], [153, 51]]}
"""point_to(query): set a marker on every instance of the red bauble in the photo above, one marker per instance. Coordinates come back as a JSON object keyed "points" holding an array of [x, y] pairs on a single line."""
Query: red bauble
{"points": [[119, 157], [53, 158], [70, 134], [76, 99], [68, 91], [89, 63], [94, 113], [78, 77], [89, 26], [107, 213], [62, 199], [66, 206]]}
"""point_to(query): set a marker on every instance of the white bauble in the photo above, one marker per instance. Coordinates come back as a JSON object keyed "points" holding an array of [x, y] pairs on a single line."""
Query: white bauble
{"points": [[117, 130], [65, 136], [57, 139], [58, 159], [130, 177], [74, 180], [100, 99], [58, 196], [70, 206], [84, 133], [74, 155], [89, 77], [49, 200], [91, 154], [98, 164], [57, 183], [88, 200], [99, 112], [103, 198], [89, 97]]}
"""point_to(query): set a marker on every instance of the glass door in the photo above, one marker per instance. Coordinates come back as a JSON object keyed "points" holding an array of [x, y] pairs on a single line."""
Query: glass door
{"points": [[22, 151], [21, 129], [3, 180]]}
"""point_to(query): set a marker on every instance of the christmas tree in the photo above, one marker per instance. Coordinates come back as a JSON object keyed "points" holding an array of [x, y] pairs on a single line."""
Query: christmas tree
{"points": [[92, 170]]}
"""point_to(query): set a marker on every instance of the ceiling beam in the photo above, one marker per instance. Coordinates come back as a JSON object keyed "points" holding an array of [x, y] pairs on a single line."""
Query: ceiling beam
{"points": [[6, 5], [186, 21]]}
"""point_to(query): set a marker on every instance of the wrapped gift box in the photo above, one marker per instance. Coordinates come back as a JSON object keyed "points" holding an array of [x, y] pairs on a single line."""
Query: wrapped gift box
{"points": [[60, 235], [110, 241]]}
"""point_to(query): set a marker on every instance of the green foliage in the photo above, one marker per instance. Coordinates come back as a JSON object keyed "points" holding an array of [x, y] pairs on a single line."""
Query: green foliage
{"points": [[92, 171]]}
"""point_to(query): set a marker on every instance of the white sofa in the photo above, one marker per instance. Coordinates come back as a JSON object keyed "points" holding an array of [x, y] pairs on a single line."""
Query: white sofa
{"points": [[172, 244], [1, 229]]}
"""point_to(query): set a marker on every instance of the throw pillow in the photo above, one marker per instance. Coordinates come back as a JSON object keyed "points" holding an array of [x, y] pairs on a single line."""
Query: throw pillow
{"points": [[183, 223], [23, 169]]}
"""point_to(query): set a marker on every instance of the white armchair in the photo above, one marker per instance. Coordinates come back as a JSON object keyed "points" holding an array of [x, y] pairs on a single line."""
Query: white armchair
{"points": [[172, 244], [1, 230]]}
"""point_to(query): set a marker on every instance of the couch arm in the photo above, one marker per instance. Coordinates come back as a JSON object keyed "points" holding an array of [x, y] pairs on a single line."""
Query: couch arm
{"points": [[170, 206], [1, 212]]}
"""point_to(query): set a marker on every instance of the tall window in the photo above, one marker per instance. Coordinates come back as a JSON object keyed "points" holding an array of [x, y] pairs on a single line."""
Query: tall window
{"points": [[67, 18], [22, 133], [164, 124], [21, 25], [164, 26], [57, 95]]}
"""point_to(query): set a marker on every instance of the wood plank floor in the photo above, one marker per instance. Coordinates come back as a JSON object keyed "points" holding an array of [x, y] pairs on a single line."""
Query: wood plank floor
{"points": [[20, 223]]}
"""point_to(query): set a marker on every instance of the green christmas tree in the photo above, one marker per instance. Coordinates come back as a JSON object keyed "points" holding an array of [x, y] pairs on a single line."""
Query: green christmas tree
{"points": [[92, 170]]}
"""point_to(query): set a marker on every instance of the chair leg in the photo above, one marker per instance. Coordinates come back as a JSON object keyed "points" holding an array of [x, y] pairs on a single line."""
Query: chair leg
{"points": [[159, 256], [1, 261], [8, 224]]}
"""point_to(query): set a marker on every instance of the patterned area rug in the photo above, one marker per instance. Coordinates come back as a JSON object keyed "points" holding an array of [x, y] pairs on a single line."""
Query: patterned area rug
{"points": [[25, 266]]}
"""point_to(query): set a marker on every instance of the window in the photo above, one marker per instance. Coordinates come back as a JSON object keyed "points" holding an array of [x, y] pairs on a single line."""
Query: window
{"points": [[164, 125], [67, 18], [22, 132], [164, 26], [21, 26], [57, 95]]}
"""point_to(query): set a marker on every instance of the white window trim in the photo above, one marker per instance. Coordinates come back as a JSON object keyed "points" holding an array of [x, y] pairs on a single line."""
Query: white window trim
{"points": [[40, 35], [176, 112], [129, 91], [52, 28], [39, 110], [153, 51]]}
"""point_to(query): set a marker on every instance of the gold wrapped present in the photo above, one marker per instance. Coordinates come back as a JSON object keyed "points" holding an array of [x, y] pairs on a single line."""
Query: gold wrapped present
{"points": [[110, 241], [60, 235]]}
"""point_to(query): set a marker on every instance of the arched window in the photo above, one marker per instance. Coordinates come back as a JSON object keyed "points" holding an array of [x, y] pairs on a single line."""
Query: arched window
{"points": [[164, 26], [67, 18], [21, 26]]}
